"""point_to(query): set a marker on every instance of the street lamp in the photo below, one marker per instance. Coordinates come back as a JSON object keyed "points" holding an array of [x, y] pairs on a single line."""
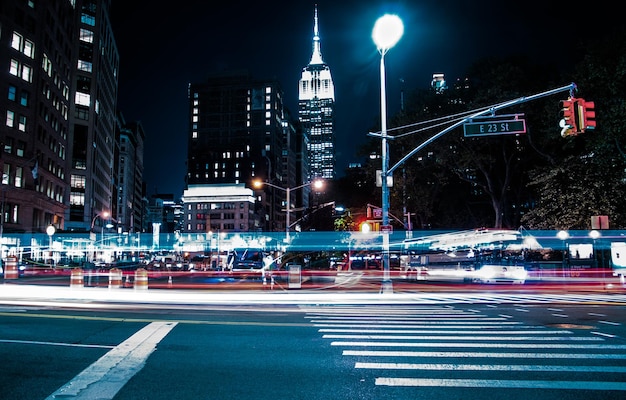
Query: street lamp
{"points": [[599, 261], [51, 230], [317, 184], [388, 30], [102, 215], [564, 235]]}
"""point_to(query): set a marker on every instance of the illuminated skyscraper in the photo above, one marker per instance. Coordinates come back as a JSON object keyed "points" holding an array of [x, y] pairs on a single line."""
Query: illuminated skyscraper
{"points": [[316, 103]]}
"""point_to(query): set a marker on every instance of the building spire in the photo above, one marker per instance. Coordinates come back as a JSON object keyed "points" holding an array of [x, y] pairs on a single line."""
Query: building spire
{"points": [[316, 58]]}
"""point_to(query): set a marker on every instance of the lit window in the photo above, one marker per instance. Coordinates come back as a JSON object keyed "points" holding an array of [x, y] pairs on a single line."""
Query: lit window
{"points": [[88, 19], [19, 149], [46, 65], [12, 93], [22, 123], [27, 73], [86, 35], [14, 68], [10, 122], [83, 99], [19, 177], [16, 42], [77, 198], [29, 49], [24, 98], [84, 66], [6, 173]]}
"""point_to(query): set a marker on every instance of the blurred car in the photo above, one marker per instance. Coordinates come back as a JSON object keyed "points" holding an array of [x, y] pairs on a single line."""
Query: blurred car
{"points": [[515, 274], [246, 260]]}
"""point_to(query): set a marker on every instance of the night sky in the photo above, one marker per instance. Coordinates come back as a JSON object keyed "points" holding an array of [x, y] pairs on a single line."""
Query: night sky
{"points": [[163, 49]]}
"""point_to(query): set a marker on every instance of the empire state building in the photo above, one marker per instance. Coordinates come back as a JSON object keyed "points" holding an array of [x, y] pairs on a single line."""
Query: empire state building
{"points": [[316, 103]]}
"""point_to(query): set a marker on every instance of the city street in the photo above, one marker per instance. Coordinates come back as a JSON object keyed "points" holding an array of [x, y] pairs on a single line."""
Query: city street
{"points": [[61, 343]]}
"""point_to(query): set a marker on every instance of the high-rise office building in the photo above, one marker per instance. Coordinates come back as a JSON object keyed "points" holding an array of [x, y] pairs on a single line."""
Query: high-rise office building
{"points": [[239, 131], [130, 175], [60, 137], [37, 58], [316, 101], [92, 169]]}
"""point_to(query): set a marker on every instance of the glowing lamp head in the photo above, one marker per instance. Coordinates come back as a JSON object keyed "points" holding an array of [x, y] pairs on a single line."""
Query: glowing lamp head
{"points": [[388, 30], [318, 184]]}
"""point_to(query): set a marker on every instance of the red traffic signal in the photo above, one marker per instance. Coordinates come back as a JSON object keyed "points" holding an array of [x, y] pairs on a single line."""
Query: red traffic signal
{"points": [[586, 115], [365, 227], [567, 114]]}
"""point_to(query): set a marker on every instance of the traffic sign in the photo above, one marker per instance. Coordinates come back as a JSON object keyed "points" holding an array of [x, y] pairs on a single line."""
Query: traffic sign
{"points": [[488, 128], [386, 228]]}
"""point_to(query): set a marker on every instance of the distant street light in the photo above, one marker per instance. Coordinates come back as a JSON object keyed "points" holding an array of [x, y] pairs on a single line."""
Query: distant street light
{"points": [[317, 184], [51, 230], [388, 30], [598, 255], [103, 215], [564, 235]]}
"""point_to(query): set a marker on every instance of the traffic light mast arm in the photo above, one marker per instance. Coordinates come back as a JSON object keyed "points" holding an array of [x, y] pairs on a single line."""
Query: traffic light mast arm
{"points": [[569, 88]]}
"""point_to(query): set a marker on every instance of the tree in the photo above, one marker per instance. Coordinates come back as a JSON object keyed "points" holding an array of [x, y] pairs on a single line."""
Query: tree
{"points": [[586, 176]]}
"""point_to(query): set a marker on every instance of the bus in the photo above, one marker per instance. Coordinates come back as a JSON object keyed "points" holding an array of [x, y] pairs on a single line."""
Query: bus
{"points": [[481, 255]]}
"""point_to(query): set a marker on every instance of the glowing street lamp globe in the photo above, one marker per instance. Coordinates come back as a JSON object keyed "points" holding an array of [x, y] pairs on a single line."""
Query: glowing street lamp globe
{"points": [[388, 29]]}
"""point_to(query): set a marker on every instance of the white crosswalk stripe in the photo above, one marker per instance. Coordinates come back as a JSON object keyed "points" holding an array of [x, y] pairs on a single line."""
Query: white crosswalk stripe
{"points": [[394, 341]]}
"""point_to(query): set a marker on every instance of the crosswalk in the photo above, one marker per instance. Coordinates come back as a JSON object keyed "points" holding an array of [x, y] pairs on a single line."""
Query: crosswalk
{"points": [[503, 297], [454, 347]]}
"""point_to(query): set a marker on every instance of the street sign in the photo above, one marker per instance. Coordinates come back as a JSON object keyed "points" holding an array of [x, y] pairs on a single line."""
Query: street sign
{"points": [[495, 127], [378, 213], [386, 228]]}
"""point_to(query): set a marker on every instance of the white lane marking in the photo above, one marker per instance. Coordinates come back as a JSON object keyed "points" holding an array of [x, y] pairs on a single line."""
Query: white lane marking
{"points": [[561, 315], [501, 325], [470, 338], [490, 367], [609, 323], [597, 314], [485, 345], [105, 377], [455, 354], [406, 319], [603, 334], [404, 323], [448, 331], [98, 346], [576, 385], [378, 311]]}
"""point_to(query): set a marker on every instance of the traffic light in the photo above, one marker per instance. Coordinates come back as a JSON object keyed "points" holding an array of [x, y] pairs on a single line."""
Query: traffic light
{"points": [[586, 115], [568, 121], [365, 227]]}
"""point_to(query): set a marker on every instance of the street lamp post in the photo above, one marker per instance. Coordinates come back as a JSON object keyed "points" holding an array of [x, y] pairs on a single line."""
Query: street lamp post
{"points": [[564, 235], [388, 29], [597, 253], [317, 184], [51, 230], [103, 215]]}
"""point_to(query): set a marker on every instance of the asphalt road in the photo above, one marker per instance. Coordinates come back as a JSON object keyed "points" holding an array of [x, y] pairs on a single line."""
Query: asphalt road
{"points": [[72, 344]]}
